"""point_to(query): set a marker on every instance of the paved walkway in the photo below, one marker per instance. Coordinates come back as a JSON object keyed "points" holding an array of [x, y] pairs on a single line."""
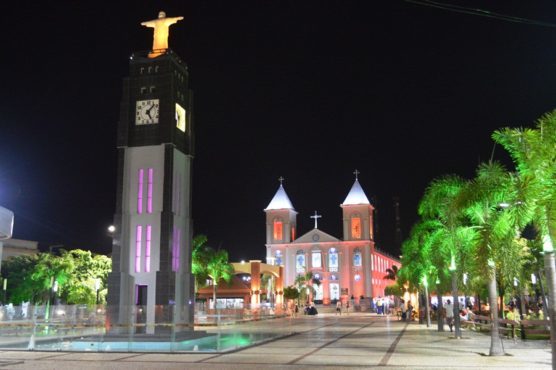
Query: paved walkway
{"points": [[348, 342]]}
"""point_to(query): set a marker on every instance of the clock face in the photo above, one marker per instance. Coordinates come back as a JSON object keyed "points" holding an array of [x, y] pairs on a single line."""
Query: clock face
{"points": [[181, 122], [146, 112]]}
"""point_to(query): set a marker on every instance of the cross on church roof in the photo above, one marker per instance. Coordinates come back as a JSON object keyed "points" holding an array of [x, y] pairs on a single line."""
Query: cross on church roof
{"points": [[315, 216], [281, 179], [356, 173]]}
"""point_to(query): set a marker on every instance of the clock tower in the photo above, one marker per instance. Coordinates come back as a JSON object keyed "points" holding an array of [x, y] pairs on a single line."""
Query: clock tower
{"points": [[151, 284]]}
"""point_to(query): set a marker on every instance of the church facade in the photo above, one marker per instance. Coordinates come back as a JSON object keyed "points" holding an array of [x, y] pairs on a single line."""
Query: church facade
{"points": [[347, 267]]}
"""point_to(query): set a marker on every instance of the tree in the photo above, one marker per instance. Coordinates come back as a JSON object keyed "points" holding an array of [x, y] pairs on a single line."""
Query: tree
{"points": [[49, 272], [533, 152], [391, 273], [74, 274], [304, 284], [200, 257], [20, 287], [219, 268], [89, 272], [291, 292], [449, 233], [483, 203]]}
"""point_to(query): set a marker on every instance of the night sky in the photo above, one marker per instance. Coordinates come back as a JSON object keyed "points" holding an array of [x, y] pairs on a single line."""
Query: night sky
{"points": [[307, 90]]}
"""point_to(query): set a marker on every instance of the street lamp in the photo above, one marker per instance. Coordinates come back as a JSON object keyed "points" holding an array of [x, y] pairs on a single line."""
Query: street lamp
{"points": [[97, 287]]}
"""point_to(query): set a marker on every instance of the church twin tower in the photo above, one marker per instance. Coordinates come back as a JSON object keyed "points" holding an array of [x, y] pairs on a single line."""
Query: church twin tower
{"points": [[348, 267]]}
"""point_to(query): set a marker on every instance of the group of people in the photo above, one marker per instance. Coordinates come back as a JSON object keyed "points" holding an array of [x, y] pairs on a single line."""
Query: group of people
{"points": [[309, 309]]}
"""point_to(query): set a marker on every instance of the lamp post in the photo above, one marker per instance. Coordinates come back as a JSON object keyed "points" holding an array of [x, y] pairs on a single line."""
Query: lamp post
{"points": [[97, 287], [550, 274]]}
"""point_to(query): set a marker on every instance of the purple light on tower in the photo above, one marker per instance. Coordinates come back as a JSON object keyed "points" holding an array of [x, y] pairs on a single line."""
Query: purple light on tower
{"points": [[176, 250], [138, 235], [150, 192], [140, 192], [148, 250]]}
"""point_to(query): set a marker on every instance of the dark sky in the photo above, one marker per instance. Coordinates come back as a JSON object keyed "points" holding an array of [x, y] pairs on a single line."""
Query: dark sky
{"points": [[308, 90]]}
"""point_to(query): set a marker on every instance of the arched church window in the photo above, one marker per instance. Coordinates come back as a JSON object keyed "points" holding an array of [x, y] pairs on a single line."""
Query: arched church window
{"points": [[357, 257], [332, 259], [356, 226], [278, 227], [300, 261], [278, 258], [316, 259]]}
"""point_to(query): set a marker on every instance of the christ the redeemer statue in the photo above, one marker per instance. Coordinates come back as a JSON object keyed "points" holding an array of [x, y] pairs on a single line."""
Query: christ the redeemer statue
{"points": [[161, 27]]}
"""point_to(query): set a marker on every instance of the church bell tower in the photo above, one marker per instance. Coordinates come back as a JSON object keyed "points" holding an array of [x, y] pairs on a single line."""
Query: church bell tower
{"points": [[151, 281]]}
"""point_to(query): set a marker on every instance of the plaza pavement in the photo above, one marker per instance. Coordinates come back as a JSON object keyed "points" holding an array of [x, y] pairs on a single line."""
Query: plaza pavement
{"points": [[353, 341]]}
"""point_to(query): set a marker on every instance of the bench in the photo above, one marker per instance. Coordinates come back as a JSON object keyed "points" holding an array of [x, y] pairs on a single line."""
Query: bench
{"points": [[535, 329], [480, 322]]}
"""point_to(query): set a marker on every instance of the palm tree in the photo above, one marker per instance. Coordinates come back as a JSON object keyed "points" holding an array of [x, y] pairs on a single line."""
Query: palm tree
{"points": [[450, 235], [219, 268], [391, 273], [483, 203], [532, 150], [200, 256], [304, 284]]}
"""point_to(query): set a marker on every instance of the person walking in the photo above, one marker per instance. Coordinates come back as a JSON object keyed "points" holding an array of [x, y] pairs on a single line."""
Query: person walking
{"points": [[403, 311], [339, 308], [449, 307], [409, 311]]}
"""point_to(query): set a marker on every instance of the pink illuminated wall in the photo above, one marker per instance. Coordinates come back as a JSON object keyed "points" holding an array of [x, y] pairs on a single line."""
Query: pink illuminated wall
{"points": [[380, 264]]}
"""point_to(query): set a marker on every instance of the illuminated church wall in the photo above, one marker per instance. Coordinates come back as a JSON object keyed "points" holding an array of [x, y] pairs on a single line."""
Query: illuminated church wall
{"points": [[344, 267]]}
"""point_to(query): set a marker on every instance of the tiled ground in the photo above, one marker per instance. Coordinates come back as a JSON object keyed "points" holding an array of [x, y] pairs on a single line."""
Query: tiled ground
{"points": [[325, 341]]}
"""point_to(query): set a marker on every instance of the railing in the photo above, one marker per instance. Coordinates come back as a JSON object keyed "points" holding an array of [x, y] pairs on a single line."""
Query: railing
{"points": [[98, 328]]}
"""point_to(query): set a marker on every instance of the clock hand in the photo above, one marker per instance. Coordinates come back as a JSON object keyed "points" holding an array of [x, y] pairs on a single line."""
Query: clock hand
{"points": [[149, 111]]}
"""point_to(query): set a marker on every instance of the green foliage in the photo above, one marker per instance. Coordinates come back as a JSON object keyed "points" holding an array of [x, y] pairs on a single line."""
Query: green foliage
{"points": [[20, 287], [291, 292], [395, 290], [533, 152], [31, 278]]}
